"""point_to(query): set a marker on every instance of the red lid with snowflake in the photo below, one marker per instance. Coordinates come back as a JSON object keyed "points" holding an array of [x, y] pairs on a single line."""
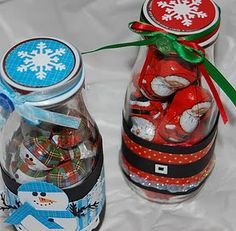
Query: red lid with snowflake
{"points": [[184, 17]]}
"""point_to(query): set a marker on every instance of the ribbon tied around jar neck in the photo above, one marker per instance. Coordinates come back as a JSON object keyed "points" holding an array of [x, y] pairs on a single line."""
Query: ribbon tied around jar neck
{"points": [[187, 48], [11, 100]]}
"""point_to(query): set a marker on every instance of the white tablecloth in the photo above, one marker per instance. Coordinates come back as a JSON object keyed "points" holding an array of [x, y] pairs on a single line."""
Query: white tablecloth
{"points": [[89, 24]]}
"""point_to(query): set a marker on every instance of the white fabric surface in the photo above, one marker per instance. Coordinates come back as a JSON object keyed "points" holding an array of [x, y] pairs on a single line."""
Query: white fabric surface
{"points": [[92, 23]]}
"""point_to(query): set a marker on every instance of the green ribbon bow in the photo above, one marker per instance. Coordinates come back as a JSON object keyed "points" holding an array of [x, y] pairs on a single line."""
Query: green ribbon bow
{"points": [[184, 47]]}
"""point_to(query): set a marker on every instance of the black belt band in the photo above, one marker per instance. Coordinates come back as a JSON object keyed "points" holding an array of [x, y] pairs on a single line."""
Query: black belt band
{"points": [[171, 149], [172, 170], [74, 193]]}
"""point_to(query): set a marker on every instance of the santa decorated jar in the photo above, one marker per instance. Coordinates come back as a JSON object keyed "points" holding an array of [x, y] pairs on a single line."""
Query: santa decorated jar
{"points": [[51, 149], [170, 115]]}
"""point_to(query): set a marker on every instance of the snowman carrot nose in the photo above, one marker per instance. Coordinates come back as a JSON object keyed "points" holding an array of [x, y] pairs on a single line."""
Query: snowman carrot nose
{"points": [[45, 200]]}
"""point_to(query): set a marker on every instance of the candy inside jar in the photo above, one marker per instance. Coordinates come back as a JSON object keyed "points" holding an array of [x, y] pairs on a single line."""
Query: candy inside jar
{"points": [[59, 155], [52, 157], [170, 112]]}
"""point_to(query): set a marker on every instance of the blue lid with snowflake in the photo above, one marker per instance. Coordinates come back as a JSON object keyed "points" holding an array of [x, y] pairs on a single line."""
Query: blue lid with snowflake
{"points": [[185, 17], [42, 64]]}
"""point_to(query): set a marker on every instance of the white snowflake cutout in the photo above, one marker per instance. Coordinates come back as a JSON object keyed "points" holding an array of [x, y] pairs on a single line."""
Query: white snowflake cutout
{"points": [[184, 10], [41, 60]]}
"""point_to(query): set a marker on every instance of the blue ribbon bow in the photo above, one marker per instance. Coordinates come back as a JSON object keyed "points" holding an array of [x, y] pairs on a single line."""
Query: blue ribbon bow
{"points": [[11, 100]]}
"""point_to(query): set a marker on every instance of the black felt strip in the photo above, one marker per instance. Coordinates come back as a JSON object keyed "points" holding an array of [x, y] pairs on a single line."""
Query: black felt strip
{"points": [[174, 170]]}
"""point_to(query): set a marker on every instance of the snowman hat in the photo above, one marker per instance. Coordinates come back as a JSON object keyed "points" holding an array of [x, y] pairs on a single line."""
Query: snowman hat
{"points": [[39, 187], [46, 151]]}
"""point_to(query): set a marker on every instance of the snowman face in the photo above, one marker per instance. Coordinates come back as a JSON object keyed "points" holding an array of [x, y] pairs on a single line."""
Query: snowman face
{"points": [[45, 200], [143, 128], [167, 86], [31, 160]]}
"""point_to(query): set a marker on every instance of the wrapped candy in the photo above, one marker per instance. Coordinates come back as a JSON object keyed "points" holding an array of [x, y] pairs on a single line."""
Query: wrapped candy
{"points": [[23, 172], [145, 116], [41, 154], [166, 76], [185, 115], [67, 174]]}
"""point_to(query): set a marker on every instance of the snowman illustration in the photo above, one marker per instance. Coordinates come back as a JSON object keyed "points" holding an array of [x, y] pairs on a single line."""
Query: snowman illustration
{"points": [[44, 208]]}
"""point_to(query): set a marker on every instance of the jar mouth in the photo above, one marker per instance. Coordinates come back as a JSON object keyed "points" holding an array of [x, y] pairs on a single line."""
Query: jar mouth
{"points": [[155, 18]]}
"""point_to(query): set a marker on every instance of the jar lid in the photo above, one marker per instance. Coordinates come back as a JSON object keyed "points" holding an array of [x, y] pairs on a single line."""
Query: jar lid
{"points": [[184, 17], [43, 65]]}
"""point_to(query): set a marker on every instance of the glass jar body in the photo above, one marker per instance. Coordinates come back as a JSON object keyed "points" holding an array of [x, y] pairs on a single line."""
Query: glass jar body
{"points": [[47, 152], [169, 127]]}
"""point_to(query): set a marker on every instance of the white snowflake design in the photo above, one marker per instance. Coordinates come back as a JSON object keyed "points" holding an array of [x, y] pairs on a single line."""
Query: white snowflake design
{"points": [[184, 10], [41, 60]]}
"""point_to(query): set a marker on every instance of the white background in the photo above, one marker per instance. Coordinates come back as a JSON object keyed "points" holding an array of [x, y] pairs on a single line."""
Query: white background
{"points": [[89, 24]]}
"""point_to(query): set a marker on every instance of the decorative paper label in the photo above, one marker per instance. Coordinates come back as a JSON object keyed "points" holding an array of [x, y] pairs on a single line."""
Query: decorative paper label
{"points": [[45, 207], [39, 62], [180, 15]]}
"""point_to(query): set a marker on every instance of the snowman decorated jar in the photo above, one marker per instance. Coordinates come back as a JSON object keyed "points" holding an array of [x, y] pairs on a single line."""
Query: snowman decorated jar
{"points": [[170, 114], [51, 149]]}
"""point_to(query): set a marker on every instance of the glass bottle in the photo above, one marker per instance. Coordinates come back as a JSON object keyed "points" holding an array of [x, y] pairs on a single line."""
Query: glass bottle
{"points": [[51, 148], [170, 115]]}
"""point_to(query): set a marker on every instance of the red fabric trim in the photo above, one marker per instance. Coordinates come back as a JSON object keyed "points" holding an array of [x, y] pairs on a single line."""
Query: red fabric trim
{"points": [[165, 158]]}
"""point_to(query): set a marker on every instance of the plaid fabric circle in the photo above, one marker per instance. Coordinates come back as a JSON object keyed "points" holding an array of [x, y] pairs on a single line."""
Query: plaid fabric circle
{"points": [[67, 174], [46, 151]]}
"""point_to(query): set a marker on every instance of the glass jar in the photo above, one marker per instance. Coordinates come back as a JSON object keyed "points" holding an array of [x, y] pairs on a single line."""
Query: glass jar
{"points": [[170, 116], [52, 157]]}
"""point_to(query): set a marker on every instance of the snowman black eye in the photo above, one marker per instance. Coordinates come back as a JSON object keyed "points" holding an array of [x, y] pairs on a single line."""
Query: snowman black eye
{"points": [[43, 194], [34, 194], [27, 155], [31, 159]]}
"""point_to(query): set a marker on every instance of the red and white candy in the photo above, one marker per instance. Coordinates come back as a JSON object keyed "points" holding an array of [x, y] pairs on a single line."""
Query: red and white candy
{"points": [[185, 114], [164, 77], [145, 117]]}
